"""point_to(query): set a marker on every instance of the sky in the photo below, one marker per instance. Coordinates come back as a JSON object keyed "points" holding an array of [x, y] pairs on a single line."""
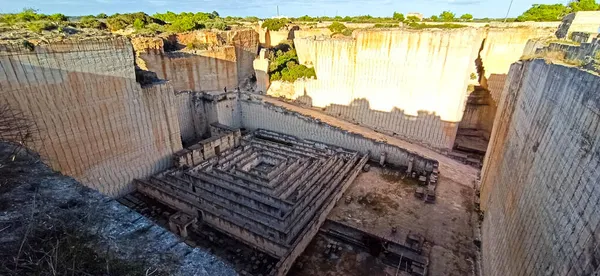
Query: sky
{"points": [[268, 8]]}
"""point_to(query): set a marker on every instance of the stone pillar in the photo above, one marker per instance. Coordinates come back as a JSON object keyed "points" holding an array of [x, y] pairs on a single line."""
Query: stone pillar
{"points": [[261, 69], [382, 159], [411, 160]]}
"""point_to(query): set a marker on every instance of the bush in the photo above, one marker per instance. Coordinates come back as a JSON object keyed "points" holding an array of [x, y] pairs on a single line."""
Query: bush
{"points": [[436, 26], [138, 24], [196, 45], [184, 24], [284, 66], [544, 13], [121, 21], [58, 17], [385, 25], [274, 24], [337, 27], [40, 26], [90, 22], [216, 24], [412, 19]]}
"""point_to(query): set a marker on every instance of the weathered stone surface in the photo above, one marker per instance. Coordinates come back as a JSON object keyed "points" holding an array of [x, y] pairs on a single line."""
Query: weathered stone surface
{"points": [[540, 179], [35, 199], [95, 122]]}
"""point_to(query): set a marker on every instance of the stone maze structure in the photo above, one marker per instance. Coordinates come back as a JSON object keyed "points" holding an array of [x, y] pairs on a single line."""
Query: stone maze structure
{"points": [[269, 190]]}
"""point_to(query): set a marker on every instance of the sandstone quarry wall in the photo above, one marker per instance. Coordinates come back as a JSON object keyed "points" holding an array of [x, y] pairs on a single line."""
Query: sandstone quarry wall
{"points": [[257, 114], [95, 122], [193, 121], [405, 82], [226, 63], [202, 70], [540, 178], [501, 48]]}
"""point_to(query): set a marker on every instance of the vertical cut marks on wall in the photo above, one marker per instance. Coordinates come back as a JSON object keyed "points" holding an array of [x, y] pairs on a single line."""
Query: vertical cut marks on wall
{"points": [[542, 175], [95, 121]]}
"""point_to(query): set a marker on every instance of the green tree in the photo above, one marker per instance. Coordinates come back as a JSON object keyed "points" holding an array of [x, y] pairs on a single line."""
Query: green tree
{"points": [[337, 27], [447, 16], [542, 12], [434, 18], [184, 24], [214, 14], [398, 16], [466, 17], [101, 15], [583, 5], [138, 24]]}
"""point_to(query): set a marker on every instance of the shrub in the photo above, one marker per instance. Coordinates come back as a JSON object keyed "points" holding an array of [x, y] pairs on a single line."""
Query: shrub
{"points": [[58, 17], [337, 27], [385, 25], [436, 26], [120, 21], [184, 24], [412, 19], [40, 26], [284, 66], [196, 45], [473, 76], [252, 19], [138, 24], [90, 22], [216, 24], [274, 24]]}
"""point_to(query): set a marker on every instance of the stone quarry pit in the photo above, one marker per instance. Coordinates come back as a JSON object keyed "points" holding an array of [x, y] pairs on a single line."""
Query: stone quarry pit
{"points": [[466, 151]]}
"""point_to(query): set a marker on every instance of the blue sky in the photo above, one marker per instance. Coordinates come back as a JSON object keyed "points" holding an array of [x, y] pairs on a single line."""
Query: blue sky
{"points": [[267, 8]]}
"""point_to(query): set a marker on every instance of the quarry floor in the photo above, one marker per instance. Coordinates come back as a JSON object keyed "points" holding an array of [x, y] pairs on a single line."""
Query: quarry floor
{"points": [[379, 200]]}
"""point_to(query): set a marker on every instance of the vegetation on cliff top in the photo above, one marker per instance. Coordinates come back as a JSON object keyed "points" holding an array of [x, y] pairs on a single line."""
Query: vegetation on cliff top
{"points": [[274, 24], [555, 12], [285, 65]]}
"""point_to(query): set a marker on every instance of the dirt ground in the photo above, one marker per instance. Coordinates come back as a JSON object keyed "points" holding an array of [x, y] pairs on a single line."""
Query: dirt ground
{"points": [[380, 200], [349, 261]]}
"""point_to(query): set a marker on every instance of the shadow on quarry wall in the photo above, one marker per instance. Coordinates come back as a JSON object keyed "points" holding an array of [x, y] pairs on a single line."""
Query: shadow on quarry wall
{"points": [[425, 128], [195, 72], [495, 83], [103, 129]]}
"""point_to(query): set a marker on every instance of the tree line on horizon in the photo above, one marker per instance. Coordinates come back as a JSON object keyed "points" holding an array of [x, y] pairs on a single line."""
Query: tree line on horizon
{"points": [[188, 21]]}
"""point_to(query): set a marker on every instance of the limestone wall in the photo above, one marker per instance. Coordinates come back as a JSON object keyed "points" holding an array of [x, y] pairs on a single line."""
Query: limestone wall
{"points": [[226, 63], [501, 48], [415, 79], [583, 21], [540, 178], [257, 114], [202, 70], [193, 121], [95, 122]]}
